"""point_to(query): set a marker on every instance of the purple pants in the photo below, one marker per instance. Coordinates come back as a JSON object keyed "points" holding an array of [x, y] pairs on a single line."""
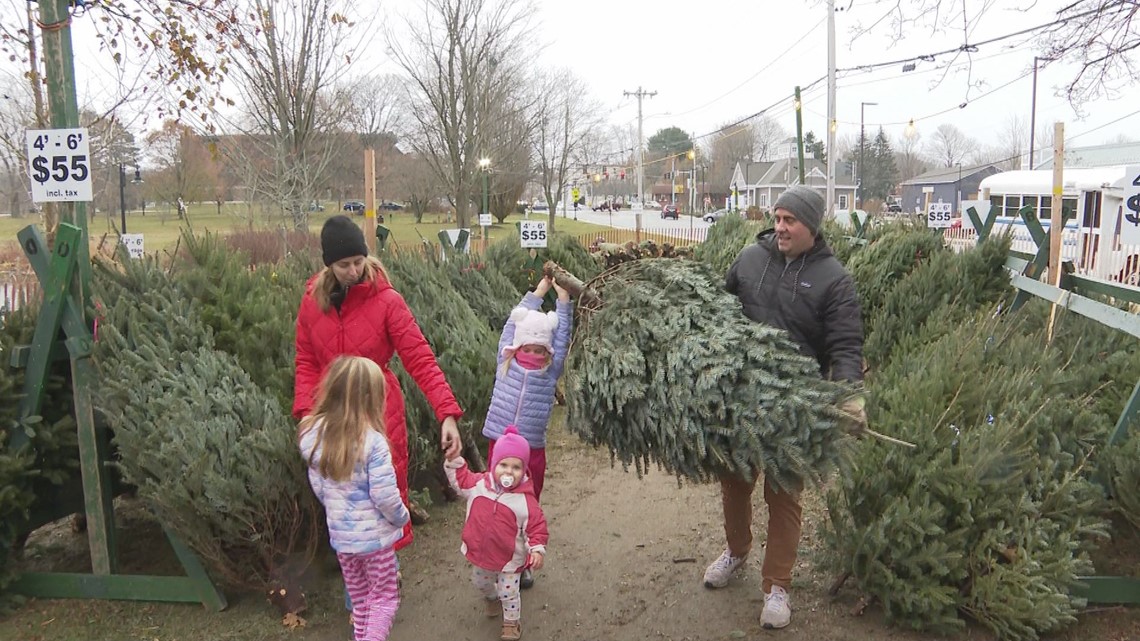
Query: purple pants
{"points": [[370, 580]]}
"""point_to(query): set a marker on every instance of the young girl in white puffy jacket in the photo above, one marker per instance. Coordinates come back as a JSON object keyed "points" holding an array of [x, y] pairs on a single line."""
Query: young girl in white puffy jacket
{"points": [[351, 472]]}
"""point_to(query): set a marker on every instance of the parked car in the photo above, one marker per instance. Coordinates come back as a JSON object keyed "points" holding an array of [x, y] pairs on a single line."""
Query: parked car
{"points": [[714, 216], [540, 208], [391, 207], [316, 206], [354, 207], [670, 211]]}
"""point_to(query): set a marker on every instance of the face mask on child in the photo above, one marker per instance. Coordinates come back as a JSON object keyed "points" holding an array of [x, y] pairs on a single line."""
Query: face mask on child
{"points": [[531, 360]]}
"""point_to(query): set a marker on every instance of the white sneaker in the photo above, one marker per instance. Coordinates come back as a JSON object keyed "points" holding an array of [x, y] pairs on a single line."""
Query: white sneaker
{"points": [[717, 574], [777, 613]]}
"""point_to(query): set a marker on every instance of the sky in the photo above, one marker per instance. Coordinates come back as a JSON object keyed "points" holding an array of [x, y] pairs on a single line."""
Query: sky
{"points": [[716, 61]]}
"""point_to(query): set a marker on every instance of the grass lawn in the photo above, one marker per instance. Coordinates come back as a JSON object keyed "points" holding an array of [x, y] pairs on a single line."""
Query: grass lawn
{"points": [[161, 228]]}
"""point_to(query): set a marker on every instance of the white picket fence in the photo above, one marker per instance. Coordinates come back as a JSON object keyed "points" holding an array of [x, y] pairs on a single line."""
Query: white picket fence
{"points": [[1116, 264], [17, 291]]}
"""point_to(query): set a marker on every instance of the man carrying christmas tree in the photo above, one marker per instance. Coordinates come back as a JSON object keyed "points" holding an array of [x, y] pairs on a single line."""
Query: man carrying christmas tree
{"points": [[789, 279]]}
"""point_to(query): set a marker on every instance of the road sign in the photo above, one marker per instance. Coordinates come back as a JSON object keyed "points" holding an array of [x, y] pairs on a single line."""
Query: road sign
{"points": [[1130, 226], [59, 164], [134, 244], [484, 220], [532, 233], [939, 215]]}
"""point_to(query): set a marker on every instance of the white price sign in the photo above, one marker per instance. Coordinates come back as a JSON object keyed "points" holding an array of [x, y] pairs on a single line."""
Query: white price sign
{"points": [[532, 233], [1130, 226], [938, 216], [981, 208], [484, 220], [134, 244], [59, 164]]}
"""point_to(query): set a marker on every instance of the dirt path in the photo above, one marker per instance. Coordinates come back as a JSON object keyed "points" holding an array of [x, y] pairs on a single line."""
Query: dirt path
{"points": [[617, 567]]}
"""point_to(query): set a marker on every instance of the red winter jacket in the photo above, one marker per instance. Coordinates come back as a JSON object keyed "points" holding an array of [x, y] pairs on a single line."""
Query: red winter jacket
{"points": [[374, 322], [503, 526]]}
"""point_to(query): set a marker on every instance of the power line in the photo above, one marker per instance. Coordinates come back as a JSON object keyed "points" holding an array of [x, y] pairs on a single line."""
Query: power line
{"points": [[1119, 5], [771, 62]]}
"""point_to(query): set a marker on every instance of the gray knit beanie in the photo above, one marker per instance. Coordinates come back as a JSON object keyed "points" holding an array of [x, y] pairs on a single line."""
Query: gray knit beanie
{"points": [[805, 204]]}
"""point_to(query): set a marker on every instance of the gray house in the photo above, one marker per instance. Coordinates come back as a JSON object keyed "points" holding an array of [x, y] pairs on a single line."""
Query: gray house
{"points": [[761, 183], [947, 185]]}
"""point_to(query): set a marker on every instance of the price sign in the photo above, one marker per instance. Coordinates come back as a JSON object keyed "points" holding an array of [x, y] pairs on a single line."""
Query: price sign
{"points": [[1130, 226], [134, 244], [59, 164], [484, 220], [532, 233], [938, 216]]}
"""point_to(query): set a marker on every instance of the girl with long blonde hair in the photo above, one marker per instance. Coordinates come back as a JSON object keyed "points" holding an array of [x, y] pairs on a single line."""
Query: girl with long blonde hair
{"points": [[350, 470]]}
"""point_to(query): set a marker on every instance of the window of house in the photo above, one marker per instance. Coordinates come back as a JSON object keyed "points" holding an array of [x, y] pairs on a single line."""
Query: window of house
{"points": [[764, 199], [843, 201]]}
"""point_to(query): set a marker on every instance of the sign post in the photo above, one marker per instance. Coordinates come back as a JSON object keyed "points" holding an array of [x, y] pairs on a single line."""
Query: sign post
{"points": [[532, 233]]}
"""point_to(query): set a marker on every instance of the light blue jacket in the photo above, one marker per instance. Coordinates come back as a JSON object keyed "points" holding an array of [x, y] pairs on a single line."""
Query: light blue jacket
{"points": [[525, 398], [364, 513]]}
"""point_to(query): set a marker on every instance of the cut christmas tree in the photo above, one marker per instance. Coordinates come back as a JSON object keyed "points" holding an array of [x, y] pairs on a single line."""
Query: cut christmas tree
{"points": [[667, 370]]}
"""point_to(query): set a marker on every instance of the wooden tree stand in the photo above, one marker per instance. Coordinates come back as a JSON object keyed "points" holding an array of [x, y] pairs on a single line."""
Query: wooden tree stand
{"points": [[64, 278]]}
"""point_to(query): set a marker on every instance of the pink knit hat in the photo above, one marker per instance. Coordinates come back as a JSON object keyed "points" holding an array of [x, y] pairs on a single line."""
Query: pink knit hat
{"points": [[509, 445]]}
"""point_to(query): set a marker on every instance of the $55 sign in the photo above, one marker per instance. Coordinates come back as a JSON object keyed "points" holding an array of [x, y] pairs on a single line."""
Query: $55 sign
{"points": [[58, 164]]}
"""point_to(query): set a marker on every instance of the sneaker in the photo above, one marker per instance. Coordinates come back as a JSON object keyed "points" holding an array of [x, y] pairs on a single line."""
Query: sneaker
{"points": [[527, 579], [777, 613], [717, 574], [512, 631], [492, 608]]}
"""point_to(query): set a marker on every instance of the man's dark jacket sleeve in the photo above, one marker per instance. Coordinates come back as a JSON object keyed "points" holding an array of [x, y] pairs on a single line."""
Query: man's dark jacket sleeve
{"points": [[843, 331]]}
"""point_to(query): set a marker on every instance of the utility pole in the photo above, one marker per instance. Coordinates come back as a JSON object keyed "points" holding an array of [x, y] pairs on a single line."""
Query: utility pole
{"points": [[1033, 110], [831, 124], [640, 94], [800, 135]]}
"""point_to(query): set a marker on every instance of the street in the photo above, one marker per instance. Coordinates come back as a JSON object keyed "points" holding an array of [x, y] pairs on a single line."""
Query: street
{"points": [[627, 219]]}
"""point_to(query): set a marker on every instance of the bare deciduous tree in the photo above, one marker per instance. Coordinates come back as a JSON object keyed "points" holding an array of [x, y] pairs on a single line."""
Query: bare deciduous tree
{"points": [[767, 134], [289, 63], [1100, 37], [566, 115], [463, 60], [1013, 143], [184, 164], [729, 146], [908, 156], [415, 182], [950, 146]]}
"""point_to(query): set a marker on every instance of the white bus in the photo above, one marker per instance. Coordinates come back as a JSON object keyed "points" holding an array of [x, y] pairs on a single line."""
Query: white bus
{"points": [[1091, 240]]}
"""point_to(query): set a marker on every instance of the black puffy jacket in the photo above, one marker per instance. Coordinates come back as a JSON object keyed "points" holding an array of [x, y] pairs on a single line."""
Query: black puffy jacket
{"points": [[812, 297]]}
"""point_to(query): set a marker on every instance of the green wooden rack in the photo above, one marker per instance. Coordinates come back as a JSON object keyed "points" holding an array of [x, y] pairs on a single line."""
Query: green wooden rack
{"points": [[1073, 294]]}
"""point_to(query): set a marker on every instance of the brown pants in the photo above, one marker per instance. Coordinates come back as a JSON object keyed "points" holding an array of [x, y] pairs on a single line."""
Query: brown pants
{"points": [[784, 526]]}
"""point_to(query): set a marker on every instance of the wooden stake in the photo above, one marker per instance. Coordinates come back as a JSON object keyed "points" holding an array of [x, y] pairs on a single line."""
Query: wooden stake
{"points": [[370, 199], [1056, 224]]}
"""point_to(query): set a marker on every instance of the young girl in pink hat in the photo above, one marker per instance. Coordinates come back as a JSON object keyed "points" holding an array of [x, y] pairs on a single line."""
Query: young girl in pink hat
{"points": [[505, 531]]}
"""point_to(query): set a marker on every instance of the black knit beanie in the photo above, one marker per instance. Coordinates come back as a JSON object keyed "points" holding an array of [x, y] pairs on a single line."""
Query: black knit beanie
{"points": [[805, 204], [340, 239]]}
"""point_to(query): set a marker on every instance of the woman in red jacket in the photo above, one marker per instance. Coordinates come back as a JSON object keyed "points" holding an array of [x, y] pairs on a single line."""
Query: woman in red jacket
{"points": [[351, 308]]}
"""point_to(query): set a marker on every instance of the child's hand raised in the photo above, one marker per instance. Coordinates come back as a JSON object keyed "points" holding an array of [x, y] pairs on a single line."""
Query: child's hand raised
{"points": [[543, 287], [536, 560], [563, 295]]}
